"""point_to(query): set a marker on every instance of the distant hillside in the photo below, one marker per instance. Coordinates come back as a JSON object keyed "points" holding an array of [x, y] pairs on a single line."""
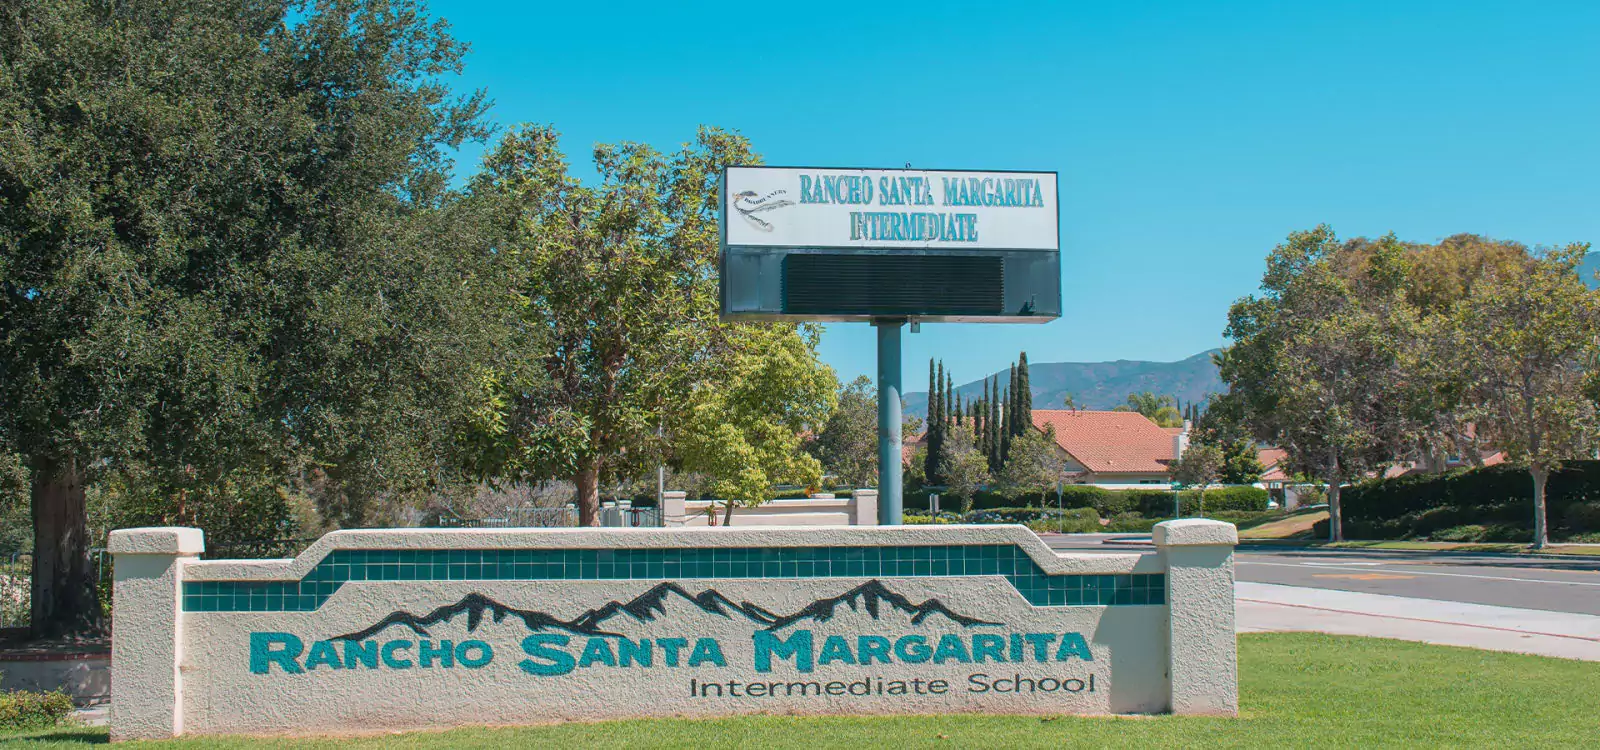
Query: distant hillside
{"points": [[1095, 385]]}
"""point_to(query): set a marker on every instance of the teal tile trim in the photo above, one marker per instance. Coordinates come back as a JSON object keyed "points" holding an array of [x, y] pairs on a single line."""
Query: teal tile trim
{"points": [[343, 566]]}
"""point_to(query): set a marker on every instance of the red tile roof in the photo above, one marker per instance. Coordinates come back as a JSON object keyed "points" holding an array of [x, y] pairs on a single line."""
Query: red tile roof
{"points": [[1109, 442], [1272, 464]]}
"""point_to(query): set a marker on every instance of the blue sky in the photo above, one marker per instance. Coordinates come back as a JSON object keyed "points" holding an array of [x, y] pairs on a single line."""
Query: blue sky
{"points": [[1190, 137]]}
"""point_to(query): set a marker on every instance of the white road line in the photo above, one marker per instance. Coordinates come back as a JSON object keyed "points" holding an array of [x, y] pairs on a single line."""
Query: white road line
{"points": [[1414, 571]]}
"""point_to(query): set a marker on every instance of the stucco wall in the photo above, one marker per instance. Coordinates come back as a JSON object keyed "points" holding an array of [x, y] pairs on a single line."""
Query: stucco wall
{"points": [[538, 622]]}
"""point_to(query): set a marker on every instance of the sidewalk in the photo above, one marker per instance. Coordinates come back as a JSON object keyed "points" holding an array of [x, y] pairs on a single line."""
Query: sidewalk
{"points": [[1265, 607]]}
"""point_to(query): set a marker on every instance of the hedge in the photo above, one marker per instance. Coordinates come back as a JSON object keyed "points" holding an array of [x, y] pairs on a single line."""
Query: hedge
{"points": [[27, 710], [1494, 503], [1109, 503]]}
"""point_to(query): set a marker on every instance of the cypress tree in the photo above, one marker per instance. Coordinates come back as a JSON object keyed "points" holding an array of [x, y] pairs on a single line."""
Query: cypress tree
{"points": [[1005, 425], [930, 461], [1024, 396], [992, 428], [949, 395], [981, 426]]}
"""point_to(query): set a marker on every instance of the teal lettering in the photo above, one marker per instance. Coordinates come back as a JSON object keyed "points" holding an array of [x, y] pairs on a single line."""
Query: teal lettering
{"points": [[1072, 644], [988, 646], [263, 654], [598, 650], [797, 647], [1041, 645], [464, 654], [836, 648], [541, 646], [390, 660], [871, 647], [427, 652], [323, 654], [951, 648], [912, 649], [365, 652], [628, 652], [706, 649], [670, 648]]}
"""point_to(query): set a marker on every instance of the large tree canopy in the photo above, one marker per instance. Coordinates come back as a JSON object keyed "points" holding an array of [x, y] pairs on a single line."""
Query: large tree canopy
{"points": [[227, 255], [615, 285]]}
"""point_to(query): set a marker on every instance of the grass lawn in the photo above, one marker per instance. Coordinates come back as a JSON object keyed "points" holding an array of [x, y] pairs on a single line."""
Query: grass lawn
{"points": [[1298, 690], [1295, 525]]}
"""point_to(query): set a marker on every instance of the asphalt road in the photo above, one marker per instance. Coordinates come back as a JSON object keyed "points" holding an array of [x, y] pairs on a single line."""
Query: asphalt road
{"points": [[1505, 581]]}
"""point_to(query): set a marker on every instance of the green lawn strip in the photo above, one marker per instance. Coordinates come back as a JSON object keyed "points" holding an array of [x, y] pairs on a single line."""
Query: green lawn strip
{"points": [[1506, 548], [1298, 690]]}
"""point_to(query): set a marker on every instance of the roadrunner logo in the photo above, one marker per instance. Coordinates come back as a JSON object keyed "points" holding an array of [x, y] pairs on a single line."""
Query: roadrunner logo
{"points": [[749, 203]]}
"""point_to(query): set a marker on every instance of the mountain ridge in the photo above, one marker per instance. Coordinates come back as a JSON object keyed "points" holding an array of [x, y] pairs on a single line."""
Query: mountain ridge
{"points": [[1099, 385], [871, 597]]}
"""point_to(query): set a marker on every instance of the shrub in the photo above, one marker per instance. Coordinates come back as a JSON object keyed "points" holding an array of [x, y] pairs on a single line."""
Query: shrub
{"points": [[21, 709], [915, 519], [1074, 521], [1482, 533], [1132, 523], [1018, 515], [1240, 516], [1582, 518], [1237, 498]]}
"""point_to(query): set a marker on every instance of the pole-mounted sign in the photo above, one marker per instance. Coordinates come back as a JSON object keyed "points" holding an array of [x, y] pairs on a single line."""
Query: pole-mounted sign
{"points": [[890, 246]]}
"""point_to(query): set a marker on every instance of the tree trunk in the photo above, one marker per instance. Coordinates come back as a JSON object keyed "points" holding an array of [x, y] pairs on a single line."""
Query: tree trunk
{"points": [[588, 482], [727, 515], [1335, 513], [64, 596], [1541, 523]]}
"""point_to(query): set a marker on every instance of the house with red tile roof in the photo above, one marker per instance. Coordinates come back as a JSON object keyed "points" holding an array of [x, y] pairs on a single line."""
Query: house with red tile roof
{"points": [[1113, 447]]}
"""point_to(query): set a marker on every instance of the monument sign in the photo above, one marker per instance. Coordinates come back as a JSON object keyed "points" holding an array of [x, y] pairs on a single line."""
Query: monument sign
{"points": [[399, 629]]}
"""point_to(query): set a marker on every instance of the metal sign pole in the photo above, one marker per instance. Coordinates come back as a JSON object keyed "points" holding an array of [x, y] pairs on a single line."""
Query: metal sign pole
{"points": [[889, 497]]}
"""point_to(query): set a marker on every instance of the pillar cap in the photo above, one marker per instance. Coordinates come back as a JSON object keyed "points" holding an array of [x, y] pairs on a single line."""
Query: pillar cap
{"points": [[162, 540], [1195, 532]]}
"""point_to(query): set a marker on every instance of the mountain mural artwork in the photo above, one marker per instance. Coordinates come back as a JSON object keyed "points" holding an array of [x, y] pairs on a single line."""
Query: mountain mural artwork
{"points": [[395, 629]]}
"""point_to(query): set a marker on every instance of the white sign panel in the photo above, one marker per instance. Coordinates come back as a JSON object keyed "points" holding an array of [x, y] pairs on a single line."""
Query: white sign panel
{"points": [[890, 208]]}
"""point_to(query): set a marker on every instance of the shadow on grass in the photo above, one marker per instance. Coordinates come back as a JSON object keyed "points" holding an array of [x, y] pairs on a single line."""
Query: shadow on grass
{"points": [[80, 735]]}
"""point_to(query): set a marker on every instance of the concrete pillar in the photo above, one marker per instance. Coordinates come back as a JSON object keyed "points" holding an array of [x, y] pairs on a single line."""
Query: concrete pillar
{"points": [[1203, 653], [672, 511], [147, 639], [864, 508]]}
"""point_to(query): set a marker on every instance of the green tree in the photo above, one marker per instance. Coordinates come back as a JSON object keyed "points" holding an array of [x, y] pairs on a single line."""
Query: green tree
{"points": [[227, 257], [847, 444], [933, 442], [1320, 362], [1522, 341], [967, 470], [1023, 397], [1200, 466], [618, 280], [1033, 466], [743, 426], [1221, 423], [1158, 409]]}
